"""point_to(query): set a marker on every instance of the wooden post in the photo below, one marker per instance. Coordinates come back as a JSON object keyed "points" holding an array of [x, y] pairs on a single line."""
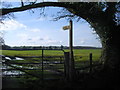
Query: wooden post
{"points": [[71, 59], [90, 62], [71, 62], [42, 64], [66, 65]]}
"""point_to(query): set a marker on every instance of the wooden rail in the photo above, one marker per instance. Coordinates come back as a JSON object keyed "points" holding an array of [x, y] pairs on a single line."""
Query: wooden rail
{"points": [[83, 68], [39, 56]]}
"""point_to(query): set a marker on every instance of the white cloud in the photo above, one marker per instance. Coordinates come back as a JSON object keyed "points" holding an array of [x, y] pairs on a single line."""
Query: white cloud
{"points": [[28, 35], [10, 25], [22, 35], [32, 35], [53, 42], [34, 39], [82, 42], [42, 41], [35, 30], [22, 38]]}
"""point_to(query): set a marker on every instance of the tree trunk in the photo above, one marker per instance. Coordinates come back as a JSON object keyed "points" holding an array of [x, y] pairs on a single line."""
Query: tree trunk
{"points": [[109, 74], [110, 52], [109, 34], [111, 56]]}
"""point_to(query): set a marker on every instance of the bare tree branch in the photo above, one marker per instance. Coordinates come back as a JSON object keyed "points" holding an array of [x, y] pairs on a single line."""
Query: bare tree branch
{"points": [[80, 9], [38, 5], [34, 2], [22, 4], [88, 11], [60, 17]]}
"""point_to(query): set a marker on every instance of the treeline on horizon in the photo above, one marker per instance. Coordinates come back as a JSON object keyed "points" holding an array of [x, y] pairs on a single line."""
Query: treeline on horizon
{"points": [[6, 47]]}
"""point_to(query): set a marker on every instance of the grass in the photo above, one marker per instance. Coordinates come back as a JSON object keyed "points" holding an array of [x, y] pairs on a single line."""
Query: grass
{"points": [[32, 52], [83, 53], [81, 57]]}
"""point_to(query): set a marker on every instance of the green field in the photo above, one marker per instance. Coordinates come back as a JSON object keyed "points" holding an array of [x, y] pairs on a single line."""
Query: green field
{"points": [[81, 57], [83, 53]]}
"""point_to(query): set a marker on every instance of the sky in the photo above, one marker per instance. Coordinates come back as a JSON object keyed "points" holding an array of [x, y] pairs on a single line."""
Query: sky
{"points": [[29, 29]]}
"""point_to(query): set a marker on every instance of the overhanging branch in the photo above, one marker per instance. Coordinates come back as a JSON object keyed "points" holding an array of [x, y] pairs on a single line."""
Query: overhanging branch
{"points": [[38, 5], [64, 16]]}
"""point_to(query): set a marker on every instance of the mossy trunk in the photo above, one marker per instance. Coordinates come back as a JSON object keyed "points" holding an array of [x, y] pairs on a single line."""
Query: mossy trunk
{"points": [[111, 51], [111, 57]]}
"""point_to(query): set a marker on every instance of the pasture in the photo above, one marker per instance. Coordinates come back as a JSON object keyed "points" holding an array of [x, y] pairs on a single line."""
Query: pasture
{"points": [[51, 70], [83, 53], [81, 56]]}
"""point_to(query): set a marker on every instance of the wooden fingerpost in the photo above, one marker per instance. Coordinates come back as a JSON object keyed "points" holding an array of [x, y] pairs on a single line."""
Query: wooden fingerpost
{"points": [[71, 62], [71, 59]]}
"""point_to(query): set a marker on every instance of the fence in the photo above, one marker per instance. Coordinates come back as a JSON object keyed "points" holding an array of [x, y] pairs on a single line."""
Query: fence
{"points": [[43, 65], [57, 66]]}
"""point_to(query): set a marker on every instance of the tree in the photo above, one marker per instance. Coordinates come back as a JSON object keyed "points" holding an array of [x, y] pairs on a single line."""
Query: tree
{"points": [[104, 17], [2, 42]]}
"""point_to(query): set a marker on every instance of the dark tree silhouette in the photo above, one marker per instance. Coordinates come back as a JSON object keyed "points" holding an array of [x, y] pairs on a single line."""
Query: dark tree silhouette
{"points": [[2, 42], [102, 16]]}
